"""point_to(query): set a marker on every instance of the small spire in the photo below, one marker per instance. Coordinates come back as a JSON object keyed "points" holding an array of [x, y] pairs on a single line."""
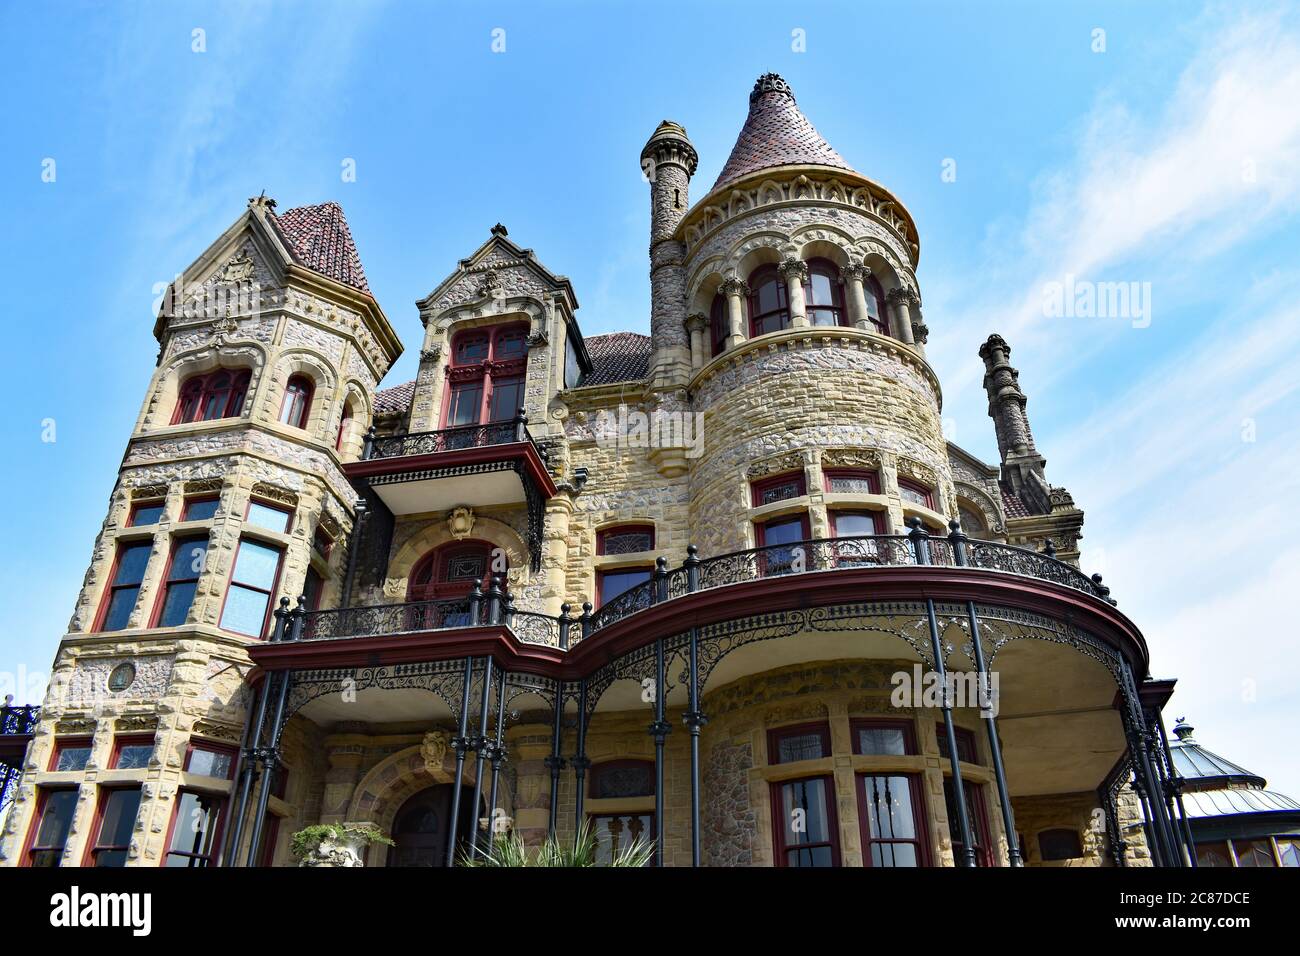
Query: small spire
{"points": [[770, 83], [499, 230], [1183, 730]]}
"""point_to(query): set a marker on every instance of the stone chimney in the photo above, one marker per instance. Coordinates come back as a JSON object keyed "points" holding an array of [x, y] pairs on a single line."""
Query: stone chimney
{"points": [[1023, 468]]}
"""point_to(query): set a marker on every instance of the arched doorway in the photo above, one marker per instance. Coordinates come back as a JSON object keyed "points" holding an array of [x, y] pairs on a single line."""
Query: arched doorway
{"points": [[420, 827], [446, 575]]}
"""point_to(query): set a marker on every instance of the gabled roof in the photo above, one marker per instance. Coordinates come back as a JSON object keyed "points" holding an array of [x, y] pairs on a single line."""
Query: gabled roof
{"points": [[501, 248], [776, 133], [319, 239]]}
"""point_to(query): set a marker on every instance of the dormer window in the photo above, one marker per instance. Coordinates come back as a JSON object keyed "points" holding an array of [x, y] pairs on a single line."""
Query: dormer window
{"points": [[486, 376], [218, 394]]}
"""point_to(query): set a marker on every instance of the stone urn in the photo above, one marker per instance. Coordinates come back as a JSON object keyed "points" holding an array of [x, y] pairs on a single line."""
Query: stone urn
{"points": [[341, 844]]}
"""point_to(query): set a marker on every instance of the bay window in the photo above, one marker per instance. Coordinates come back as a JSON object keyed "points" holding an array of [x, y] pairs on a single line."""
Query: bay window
{"points": [[824, 294], [218, 394], [486, 376], [248, 599], [182, 581], [114, 822], [891, 818]]}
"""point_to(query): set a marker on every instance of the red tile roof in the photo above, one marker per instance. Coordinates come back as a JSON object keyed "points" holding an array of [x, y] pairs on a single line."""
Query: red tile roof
{"points": [[1014, 505], [395, 399], [320, 239], [776, 133], [618, 357]]}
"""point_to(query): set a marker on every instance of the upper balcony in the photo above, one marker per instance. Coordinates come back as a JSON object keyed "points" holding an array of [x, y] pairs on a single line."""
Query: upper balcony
{"points": [[17, 724]]}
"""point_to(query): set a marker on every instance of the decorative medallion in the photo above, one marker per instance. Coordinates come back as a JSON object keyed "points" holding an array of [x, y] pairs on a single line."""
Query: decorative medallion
{"points": [[121, 677]]}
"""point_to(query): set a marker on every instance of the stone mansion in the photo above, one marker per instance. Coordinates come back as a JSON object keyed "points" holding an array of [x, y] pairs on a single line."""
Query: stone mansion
{"points": [[687, 586]]}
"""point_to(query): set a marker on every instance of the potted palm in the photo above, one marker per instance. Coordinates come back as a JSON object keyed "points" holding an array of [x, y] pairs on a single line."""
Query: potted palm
{"points": [[509, 851]]}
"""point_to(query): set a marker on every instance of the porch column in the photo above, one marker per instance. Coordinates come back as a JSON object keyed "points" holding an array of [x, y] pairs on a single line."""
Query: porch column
{"points": [[736, 291], [659, 728], [580, 761], [459, 743], [694, 718], [1134, 730], [480, 746], [795, 274], [496, 754], [555, 762], [957, 538], [696, 323], [921, 544], [855, 274]]}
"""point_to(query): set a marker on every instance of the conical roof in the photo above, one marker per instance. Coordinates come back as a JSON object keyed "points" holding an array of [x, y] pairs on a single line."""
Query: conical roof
{"points": [[1216, 787], [776, 133], [320, 239]]}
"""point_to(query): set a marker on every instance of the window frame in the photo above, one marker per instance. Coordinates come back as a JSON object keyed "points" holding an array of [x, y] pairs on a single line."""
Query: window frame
{"points": [[760, 485], [758, 278], [210, 746], [64, 743], [106, 601], [911, 484], [834, 515], [871, 475], [93, 848], [966, 742], [202, 392], [780, 850], [910, 746], [602, 573], [760, 528], [160, 603], [219, 827], [279, 506], [198, 500], [719, 324], [920, 821], [650, 835], [631, 527], [1056, 832], [121, 741], [270, 595], [979, 823], [776, 734], [295, 405], [487, 374], [30, 845], [828, 269], [873, 290], [137, 506], [602, 767]]}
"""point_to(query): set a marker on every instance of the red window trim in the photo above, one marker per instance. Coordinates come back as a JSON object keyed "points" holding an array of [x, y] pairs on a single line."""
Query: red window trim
{"points": [[106, 599], [270, 834], [919, 488], [146, 503], [308, 394], [965, 739], [128, 740], [629, 528], [719, 324], [193, 500], [757, 278], [218, 828], [600, 579], [605, 766], [922, 840], [489, 373], [240, 378], [275, 586], [872, 723], [161, 601], [871, 287], [97, 822], [33, 828], [274, 506], [871, 475], [438, 589], [778, 823], [757, 488], [212, 747], [875, 516], [61, 743], [760, 527], [775, 734], [983, 852], [823, 266]]}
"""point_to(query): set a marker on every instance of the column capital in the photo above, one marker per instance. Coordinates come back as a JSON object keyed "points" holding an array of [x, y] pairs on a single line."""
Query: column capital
{"points": [[735, 286], [697, 322], [791, 267], [903, 295], [856, 271]]}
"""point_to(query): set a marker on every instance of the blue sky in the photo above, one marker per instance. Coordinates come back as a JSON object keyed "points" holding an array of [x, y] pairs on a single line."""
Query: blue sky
{"points": [[1171, 158]]}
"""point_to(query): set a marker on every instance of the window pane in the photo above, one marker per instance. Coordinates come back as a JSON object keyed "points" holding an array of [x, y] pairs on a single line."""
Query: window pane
{"points": [[849, 525], [806, 820], [1213, 854], [119, 818], [894, 854], [466, 400], [264, 516], [511, 345], [245, 611], [627, 542], [201, 510], [889, 808], [782, 532], [635, 780], [176, 605], [915, 495], [73, 758], [507, 399], [890, 741], [619, 833], [119, 608], [256, 564], [822, 289], [1254, 853], [131, 562], [614, 583], [146, 514], [134, 756], [791, 487], [805, 746], [56, 820], [471, 349], [194, 831], [187, 559], [209, 762], [852, 484]]}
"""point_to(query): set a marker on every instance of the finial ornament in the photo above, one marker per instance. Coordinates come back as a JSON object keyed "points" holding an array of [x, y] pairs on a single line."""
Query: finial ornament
{"points": [[770, 83]]}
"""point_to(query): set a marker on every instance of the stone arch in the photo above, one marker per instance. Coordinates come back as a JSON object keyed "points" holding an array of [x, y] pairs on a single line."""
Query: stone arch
{"points": [[705, 288], [437, 533], [167, 382], [756, 250], [349, 449], [824, 245], [315, 366], [976, 500]]}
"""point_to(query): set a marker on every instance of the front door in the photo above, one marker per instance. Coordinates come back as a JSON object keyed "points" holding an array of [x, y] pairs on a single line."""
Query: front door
{"points": [[420, 828]]}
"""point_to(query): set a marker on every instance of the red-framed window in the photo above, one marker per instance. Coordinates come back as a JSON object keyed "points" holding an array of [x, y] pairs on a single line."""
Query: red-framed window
{"points": [[883, 738], [194, 837], [615, 581], [70, 753], [967, 752], [875, 297], [145, 513], [769, 301], [850, 524], [806, 831], [780, 537], [210, 759], [449, 572], [200, 508], [625, 539], [131, 752], [486, 376], [916, 493], [892, 817], [322, 543], [183, 568], [851, 481], [124, 587], [810, 741], [824, 294], [272, 517], [218, 394], [252, 582], [778, 488], [296, 406], [719, 324], [621, 779], [48, 834], [313, 586], [110, 833], [979, 823], [619, 831]]}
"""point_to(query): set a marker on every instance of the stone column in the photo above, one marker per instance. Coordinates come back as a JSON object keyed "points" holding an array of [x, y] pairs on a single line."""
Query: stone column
{"points": [[795, 273], [900, 301], [696, 324], [735, 290], [555, 552], [855, 275]]}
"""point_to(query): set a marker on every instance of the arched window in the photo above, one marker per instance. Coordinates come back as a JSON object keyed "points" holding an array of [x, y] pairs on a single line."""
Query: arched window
{"points": [[297, 402], [824, 293], [972, 522], [486, 377], [449, 572], [719, 324], [875, 297], [769, 301], [218, 394], [348, 416]]}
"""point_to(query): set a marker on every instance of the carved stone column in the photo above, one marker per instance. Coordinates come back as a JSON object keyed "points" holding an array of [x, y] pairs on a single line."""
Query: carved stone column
{"points": [[735, 290], [855, 275], [795, 273], [900, 302], [696, 324]]}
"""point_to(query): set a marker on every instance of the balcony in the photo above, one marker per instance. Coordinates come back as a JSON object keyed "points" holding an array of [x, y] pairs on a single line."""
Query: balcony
{"points": [[17, 724]]}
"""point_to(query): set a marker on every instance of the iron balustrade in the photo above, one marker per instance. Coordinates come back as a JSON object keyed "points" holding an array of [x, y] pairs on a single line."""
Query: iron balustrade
{"points": [[18, 720], [460, 437], [813, 556]]}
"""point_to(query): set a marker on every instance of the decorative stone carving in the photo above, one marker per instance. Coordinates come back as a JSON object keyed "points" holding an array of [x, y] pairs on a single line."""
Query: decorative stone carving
{"points": [[795, 268], [460, 522], [433, 750], [239, 269]]}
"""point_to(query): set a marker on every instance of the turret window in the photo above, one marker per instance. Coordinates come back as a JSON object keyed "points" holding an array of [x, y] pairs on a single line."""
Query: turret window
{"points": [[128, 572], [875, 297], [248, 601], [719, 324], [824, 293], [218, 394], [297, 402], [182, 581], [769, 302], [915, 493]]}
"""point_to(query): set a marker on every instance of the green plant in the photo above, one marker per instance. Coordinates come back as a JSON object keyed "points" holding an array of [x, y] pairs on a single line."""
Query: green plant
{"points": [[510, 851], [306, 840]]}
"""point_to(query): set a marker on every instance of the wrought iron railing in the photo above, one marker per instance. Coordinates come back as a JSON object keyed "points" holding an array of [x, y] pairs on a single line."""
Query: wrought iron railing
{"points": [[448, 439], [773, 561], [17, 720]]}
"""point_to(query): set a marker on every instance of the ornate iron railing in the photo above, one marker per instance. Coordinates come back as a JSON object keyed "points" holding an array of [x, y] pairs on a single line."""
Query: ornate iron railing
{"points": [[448, 439], [803, 557], [18, 720]]}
